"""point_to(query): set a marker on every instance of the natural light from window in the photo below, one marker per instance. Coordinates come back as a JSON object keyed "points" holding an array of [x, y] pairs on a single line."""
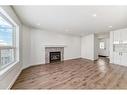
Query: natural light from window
{"points": [[102, 45], [7, 42]]}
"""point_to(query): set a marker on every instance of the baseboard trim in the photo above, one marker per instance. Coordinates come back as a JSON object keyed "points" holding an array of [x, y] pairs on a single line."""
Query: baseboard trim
{"points": [[46, 63], [71, 59], [33, 65]]}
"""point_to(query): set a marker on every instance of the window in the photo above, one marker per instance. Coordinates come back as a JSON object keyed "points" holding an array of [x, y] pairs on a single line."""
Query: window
{"points": [[8, 48], [102, 45]]}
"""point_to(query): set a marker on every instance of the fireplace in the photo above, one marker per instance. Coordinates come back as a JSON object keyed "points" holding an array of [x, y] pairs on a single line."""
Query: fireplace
{"points": [[50, 51], [55, 56]]}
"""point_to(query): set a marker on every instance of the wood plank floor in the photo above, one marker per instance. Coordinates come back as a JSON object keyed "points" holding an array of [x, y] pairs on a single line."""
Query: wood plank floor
{"points": [[74, 74]]}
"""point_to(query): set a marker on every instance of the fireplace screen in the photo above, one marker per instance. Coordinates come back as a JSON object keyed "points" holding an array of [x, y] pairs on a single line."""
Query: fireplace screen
{"points": [[55, 56]]}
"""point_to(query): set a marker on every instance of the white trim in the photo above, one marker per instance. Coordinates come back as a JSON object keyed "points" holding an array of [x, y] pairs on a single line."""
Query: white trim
{"points": [[7, 16], [89, 58], [48, 63], [15, 41], [55, 46], [13, 70], [33, 65]]}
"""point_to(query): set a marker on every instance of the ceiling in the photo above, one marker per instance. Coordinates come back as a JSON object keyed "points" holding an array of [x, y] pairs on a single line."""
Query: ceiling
{"points": [[75, 20]]}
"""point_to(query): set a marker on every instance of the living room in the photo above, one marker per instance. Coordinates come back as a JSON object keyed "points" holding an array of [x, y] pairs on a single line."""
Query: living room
{"points": [[63, 47]]}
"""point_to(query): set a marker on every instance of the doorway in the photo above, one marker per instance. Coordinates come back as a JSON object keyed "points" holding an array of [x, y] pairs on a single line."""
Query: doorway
{"points": [[102, 46]]}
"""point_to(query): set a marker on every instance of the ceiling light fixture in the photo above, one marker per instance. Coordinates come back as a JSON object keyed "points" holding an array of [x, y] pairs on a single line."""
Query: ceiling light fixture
{"points": [[94, 15], [110, 26], [38, 24]]}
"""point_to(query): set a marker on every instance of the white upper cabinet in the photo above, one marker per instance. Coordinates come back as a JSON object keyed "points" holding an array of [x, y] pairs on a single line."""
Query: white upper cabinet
{"points": [[124, 36], [120, 36], [116, 37]]}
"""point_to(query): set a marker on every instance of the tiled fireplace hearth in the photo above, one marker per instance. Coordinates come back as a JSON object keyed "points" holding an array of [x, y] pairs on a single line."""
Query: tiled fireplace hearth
{"points": [[54, 51]]}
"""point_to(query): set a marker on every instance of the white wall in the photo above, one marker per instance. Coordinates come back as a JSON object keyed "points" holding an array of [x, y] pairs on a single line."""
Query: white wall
{"points": [[111, 47], [41, 38], [8, 76], [87, 47], [26, 46]]}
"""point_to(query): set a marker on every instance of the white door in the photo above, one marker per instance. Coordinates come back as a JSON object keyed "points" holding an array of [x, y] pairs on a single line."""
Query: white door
{"points": [[124, 59], [116, 58]]}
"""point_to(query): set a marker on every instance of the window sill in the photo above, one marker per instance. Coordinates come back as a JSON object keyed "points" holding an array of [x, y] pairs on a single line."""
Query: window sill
{"points": [[6, 70]]}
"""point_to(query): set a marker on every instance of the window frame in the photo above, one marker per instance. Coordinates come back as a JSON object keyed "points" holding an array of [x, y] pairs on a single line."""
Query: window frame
{"points": [[15, 39], [101, 45]]}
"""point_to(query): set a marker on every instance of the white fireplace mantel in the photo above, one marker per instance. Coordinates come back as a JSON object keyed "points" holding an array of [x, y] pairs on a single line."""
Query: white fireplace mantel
{"points": [[55, 46]]}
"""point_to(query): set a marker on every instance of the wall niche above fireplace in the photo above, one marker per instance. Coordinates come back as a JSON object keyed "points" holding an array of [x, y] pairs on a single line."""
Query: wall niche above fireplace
{"points": [[54, 54]]}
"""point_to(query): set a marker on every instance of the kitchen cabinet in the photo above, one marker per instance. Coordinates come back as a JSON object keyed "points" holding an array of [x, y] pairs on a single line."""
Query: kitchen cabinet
{"points": [[120, 47], [116, 37]]}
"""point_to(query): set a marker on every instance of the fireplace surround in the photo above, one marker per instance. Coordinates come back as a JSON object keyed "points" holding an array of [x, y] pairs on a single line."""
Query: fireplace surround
{"points": [[59, 51]]}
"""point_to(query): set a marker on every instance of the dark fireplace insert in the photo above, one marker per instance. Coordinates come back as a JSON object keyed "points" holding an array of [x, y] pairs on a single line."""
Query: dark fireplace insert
{"points": [[55, 56]]}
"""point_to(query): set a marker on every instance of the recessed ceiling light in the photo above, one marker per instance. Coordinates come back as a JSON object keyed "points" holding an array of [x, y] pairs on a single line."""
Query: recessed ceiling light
{"points": [[94, 15], [110, 26], [38, 24]]}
